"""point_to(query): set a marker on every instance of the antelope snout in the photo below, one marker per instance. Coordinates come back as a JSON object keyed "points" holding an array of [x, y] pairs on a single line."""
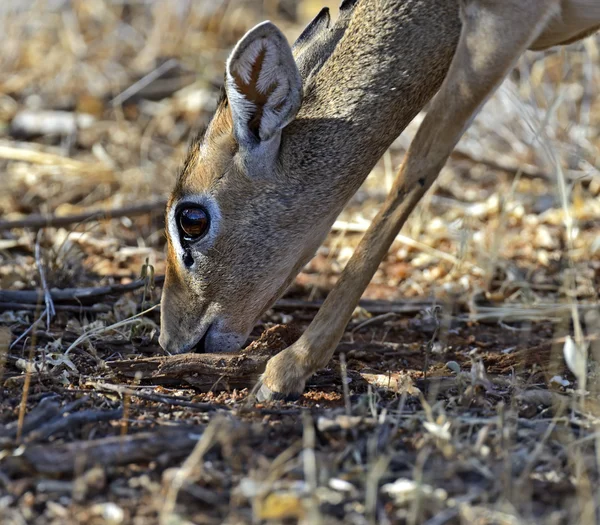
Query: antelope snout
{"points": [[171, 343], [207, 336]]}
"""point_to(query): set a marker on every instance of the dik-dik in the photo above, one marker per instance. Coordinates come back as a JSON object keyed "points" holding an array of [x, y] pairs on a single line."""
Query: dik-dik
{"points": [[298, 130]]}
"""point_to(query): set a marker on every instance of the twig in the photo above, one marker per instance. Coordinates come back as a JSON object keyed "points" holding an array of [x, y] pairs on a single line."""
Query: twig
{"points": [[26, 383], [50, 220], [64, 422], [101, 329], [433, 312], [370, 305], [309, 460], [50, 310], [508, 312], [5, 337], [143, 82], [374, 476], [344, 372], [168, 400], [533, 457], [13, 307], [374, 320], [46, 409], [64, 459], [203, 445], [31, 327], [38, 157], [73, 295], [83, 295]]}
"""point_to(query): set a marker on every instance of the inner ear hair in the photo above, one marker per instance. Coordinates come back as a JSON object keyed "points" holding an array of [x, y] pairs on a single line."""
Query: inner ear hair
{"points": [[248, 86], [263, 84]]}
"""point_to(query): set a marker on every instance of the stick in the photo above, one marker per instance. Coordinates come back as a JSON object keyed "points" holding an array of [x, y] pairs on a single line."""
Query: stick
{"points": [[102, 172], [31, 327], [13, 300], [64, 423], [208, 372], [64, 459], [144, 81], [205, 372], [215, 372], [49, 220], [73, 295], [12, 307], [168, 400], [46, 409], [406, 306], [50, 310]]}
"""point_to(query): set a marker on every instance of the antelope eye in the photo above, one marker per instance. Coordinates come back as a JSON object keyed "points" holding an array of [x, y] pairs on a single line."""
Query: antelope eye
{"points": [[193, 222]]}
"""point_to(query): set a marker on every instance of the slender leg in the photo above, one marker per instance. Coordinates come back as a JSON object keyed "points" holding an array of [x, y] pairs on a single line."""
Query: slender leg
{"points": [[494, 35]]}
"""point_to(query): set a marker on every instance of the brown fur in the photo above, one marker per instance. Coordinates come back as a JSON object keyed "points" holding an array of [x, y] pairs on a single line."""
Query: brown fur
{"points": [[365, 78], [493, 37], [272, 223]]}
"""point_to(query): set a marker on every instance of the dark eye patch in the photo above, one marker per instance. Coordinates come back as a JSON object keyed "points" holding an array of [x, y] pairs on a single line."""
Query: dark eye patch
{"points": [[188, 260]]}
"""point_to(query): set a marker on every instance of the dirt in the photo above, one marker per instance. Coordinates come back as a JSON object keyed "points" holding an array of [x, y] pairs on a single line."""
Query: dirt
{"points": [[255, 459]]}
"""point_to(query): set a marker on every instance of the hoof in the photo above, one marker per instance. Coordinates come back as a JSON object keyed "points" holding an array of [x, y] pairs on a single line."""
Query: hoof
{"points": [[264, 393]]}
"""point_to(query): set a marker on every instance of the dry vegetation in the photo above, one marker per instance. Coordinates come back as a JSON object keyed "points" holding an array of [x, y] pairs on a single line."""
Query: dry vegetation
{"points": [[466, 389]]}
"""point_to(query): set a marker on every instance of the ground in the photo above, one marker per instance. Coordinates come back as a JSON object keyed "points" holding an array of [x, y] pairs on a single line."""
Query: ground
{"points": [[465, 389]]}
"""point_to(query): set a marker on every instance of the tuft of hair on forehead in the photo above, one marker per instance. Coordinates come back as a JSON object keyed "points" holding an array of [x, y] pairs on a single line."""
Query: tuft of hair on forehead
{"points": [[209, 156], [222, 122]]}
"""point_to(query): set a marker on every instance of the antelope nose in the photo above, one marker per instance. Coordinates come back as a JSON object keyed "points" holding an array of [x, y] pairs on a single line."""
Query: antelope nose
{"points": [[167, 343]]}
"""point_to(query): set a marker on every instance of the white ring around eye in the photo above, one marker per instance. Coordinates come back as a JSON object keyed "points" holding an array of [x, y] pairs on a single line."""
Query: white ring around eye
{"points": [[214, 220]]}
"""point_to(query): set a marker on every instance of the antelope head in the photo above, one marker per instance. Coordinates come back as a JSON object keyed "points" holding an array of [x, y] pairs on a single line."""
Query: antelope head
{"points": [[295, 135], [239, 224]]}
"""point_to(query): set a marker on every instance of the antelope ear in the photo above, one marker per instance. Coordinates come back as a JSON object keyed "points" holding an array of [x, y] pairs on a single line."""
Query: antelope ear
{"points": [[263, 85]]}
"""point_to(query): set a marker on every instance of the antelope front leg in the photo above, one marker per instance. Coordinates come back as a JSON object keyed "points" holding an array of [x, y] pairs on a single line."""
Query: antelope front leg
{"points": [[286, 372], [494, 35]]}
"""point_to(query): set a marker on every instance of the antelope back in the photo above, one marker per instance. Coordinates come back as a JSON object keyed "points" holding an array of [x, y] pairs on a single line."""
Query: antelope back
{"points": [[295, 134]]}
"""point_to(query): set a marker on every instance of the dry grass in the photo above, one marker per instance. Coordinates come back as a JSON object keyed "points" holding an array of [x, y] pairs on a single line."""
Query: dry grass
{"points": [[505, 250]]}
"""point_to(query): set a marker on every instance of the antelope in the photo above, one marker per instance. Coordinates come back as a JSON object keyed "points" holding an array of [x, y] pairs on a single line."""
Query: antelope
{"points": [[298, 130]]}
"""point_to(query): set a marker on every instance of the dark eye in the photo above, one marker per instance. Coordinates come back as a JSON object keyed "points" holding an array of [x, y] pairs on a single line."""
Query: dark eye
{"points": [[193, 222]]}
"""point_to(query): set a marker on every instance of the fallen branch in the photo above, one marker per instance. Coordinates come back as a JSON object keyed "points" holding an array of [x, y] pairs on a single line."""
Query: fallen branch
{"points": [[219, 372], [72, 295], [208, 372], [119, 450], [49, 220], [13, 307], [205, 372], [73, 420], [216, 372], [28, 300], [46, 409], [373, 306], [99, 170], [48, 418], [165, 399]]}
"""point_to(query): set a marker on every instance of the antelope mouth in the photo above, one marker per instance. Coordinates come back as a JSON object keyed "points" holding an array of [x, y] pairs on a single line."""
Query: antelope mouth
{"points": [[200, 346]]}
